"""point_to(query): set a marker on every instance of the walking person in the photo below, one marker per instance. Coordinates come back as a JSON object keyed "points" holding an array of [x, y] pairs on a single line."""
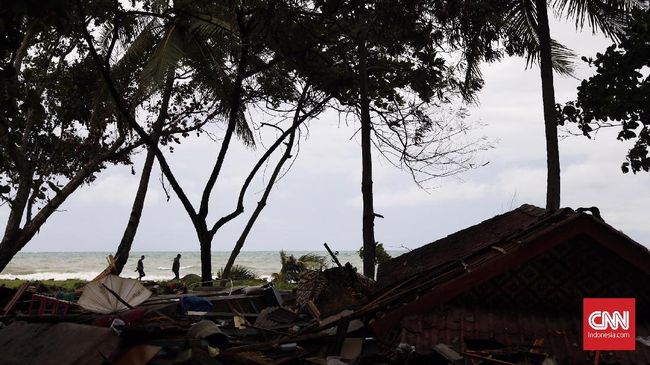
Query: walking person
{"points": [[176, 266], [140, 268]]}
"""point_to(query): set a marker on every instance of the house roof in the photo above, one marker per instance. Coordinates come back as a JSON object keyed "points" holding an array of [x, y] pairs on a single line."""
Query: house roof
{"points": [[518, 225], [458, 245], [415, 282]]}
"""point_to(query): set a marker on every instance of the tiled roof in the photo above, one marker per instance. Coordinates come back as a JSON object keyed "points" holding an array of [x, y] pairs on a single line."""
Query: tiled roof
{"points": [[460, 244], [515, 227]]}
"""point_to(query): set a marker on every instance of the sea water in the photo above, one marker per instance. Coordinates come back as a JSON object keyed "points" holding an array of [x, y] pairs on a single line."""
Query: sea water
{"points": [[157, 265]]}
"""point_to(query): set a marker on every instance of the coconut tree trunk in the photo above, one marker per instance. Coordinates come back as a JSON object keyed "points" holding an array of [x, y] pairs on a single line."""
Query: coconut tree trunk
{"points": [[550, 120], [366, 165], [122, 253], [123, 249]]}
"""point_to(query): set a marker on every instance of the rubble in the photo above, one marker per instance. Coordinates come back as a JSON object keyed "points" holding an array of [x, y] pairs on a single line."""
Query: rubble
{"points": [[165, 325], [434, 313]]}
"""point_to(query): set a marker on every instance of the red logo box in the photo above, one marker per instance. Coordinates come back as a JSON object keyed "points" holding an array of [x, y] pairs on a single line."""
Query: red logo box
{"points": [[608, 324]]}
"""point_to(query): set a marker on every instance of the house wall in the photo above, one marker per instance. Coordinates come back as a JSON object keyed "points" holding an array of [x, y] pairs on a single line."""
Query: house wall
{"points": [[538, 306], [515, 336], [558, 280]]}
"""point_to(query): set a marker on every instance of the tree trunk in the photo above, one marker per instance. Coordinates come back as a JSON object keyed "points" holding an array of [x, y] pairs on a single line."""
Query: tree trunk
{"points": [[205, 240], [122, 253], [16, 238], [366, 166], [8, 249], [10, 246], [260, 206], [550, 120], [233, 116], [235, 104], [124, 248]]}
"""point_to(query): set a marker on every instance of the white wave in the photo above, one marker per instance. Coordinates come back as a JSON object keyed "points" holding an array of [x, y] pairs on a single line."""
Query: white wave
{"points": [[266, 278], [169, 267], [73, 275], [51, 276]]}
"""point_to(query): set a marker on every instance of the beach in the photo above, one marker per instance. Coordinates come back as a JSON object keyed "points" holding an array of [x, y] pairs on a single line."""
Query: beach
{"points": [[157, 265]]}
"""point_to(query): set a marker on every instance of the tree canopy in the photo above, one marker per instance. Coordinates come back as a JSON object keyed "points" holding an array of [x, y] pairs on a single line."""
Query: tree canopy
{"points": [[87, 83], [618, 95]]}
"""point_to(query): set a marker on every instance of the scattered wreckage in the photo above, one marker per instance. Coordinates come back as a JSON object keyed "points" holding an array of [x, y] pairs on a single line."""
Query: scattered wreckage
{"points": [[122, 321], [506, 291]]}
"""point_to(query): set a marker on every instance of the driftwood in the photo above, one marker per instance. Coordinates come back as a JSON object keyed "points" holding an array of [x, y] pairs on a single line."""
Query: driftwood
{"points": [[334, 258], [19, 293]]}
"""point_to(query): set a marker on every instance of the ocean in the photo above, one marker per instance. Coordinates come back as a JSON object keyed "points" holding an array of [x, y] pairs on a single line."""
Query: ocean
{"points": [[157, 265]]}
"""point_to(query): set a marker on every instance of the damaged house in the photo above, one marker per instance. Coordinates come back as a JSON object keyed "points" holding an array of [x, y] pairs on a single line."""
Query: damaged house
{"points": [[510, 290]]}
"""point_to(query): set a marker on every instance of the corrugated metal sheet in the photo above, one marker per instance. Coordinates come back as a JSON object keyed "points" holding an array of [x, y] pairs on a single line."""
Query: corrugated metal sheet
{"points": [[517, 330]]}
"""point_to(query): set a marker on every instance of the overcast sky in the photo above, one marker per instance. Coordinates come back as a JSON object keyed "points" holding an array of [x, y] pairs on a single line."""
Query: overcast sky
{"points": [[319, 200]]}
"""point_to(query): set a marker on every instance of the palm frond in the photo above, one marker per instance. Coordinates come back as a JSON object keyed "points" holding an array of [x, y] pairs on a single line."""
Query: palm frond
{"points": [[238, 272], [207, 26], [243, 130], [607, 16], [522, 20], [562, 58], [159, 6], [141, 46], [473, 75], [313, 261], [163, 60]]}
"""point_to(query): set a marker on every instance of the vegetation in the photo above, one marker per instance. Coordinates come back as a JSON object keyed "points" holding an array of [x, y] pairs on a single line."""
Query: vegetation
{"points": [[85, 84], [237, 272], [529, 20], [292, 267], [243, 41], [68, 285], [56, 131], [618, 95], [381, 255]]}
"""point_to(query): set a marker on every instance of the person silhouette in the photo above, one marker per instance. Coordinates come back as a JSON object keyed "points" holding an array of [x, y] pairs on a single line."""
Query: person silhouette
{"points": [[176, 266], [140, 268]]}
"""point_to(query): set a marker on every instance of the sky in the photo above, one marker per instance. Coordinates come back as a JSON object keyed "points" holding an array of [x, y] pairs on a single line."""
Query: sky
{"points": [[319, 199]]}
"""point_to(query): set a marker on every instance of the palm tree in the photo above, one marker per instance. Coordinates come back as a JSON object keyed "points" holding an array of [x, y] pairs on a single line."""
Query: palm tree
{"points": [[221, 49], [529, 19], [155, 48]]}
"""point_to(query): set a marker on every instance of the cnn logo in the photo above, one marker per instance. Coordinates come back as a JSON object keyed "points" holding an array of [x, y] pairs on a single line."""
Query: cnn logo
{"points": [[602, 320], [608, 324]]}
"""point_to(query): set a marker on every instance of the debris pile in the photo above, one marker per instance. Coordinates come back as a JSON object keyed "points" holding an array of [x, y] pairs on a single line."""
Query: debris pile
{"points": [[115, 320], [506, 291]]}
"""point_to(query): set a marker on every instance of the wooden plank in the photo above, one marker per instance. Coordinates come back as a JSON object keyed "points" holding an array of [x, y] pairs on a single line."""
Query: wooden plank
{"points": [[19, 293], [219, 314]]}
